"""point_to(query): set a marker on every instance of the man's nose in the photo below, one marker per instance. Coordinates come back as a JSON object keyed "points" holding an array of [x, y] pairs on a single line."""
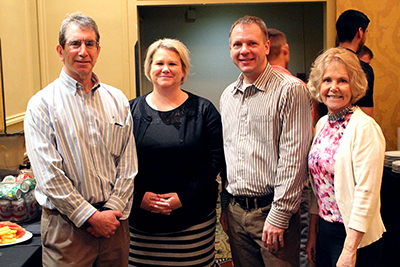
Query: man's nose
{"points": [[83, 49], [244, 49]]}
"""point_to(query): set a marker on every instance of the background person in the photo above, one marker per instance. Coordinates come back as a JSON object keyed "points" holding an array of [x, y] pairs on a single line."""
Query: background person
{"points": [[346, 165], [79, 139], [266, 118], [365, 54], [180, 151], [279, 57], [351, 29]]}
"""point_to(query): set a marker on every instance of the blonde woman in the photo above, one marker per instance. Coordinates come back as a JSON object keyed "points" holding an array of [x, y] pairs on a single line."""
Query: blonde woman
{"points": [[179, 145], [346, 166]]}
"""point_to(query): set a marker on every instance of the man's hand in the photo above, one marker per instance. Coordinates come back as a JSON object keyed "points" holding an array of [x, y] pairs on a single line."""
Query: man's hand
{"points": [[104, 223], [271, 236]]}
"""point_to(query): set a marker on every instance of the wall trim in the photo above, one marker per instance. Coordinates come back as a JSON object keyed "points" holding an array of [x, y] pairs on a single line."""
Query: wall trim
{"points": [[15, 119]]}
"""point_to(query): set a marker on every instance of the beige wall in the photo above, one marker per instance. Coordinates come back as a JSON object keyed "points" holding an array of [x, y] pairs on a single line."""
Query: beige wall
{"points": [[384, 40], [29, 29]]}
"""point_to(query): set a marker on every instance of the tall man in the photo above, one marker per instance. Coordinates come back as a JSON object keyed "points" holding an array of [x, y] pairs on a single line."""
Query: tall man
{"points": [[79, 139], [279, 57], [352, 28], [267, 132]]}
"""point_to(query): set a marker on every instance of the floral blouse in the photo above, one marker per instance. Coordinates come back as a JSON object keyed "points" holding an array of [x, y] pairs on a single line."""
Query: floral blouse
{"points": [[321, 162]]}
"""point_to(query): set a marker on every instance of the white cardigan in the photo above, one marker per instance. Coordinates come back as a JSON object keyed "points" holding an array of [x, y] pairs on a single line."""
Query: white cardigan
{"points": [[358, 176]]}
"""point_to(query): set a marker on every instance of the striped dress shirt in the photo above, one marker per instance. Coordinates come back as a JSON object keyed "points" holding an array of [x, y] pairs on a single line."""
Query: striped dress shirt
{"points": [[267, 135], [81, 147]]}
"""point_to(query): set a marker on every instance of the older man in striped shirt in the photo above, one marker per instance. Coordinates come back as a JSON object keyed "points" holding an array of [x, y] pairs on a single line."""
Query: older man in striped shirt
{"points": [[80, 141], [266, 117]]}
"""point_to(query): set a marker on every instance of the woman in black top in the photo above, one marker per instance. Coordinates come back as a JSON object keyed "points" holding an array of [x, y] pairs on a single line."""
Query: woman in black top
{"points": [[179, 144]]}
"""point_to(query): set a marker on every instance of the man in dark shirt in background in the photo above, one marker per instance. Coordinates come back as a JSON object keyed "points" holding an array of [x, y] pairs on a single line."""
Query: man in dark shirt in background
{"points": [[352, 28]]}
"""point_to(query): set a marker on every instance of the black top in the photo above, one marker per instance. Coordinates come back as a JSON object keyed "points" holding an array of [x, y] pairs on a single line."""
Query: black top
{"points": [[367, 100], [178, 151]]}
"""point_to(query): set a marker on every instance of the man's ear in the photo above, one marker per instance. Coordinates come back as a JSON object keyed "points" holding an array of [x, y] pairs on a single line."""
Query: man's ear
{"points": [[285, 49], [59, 52], [360, 33], [267, 47]]}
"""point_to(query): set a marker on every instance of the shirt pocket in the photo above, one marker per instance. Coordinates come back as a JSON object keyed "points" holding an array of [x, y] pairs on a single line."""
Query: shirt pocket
{"points": [[261, 128], [115, 138]]}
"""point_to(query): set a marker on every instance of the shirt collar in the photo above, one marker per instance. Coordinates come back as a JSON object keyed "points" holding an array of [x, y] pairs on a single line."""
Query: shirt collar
{"points": [[74, 85], [259, 83], [341, 114]]}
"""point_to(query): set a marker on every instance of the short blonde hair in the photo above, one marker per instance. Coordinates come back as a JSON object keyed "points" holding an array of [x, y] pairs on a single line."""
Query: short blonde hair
{"points": [[358, 81], [169, 44]]}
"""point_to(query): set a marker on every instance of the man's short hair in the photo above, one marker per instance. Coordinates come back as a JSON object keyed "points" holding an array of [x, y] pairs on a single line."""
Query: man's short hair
{"points": [[277, 40], [248, 20], [80, 20], [348, 24], [365, 51]]}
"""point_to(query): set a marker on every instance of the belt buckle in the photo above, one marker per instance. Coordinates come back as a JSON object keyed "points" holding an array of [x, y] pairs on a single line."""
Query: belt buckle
{"points": [[249, 205]]}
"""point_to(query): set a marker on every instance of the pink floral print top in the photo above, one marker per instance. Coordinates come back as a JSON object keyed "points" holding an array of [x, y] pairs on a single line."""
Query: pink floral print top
{"points": [[321, 162]]}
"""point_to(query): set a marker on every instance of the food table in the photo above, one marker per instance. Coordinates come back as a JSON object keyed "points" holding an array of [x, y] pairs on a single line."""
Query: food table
{"points": [[27, 253]]}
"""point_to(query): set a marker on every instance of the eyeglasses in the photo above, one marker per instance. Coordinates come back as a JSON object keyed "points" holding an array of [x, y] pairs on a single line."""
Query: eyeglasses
{"points": [[76, 44]]}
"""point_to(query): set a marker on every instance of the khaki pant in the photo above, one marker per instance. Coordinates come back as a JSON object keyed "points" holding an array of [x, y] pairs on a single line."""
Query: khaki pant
{"points": [[245, 233], [63, 244]]}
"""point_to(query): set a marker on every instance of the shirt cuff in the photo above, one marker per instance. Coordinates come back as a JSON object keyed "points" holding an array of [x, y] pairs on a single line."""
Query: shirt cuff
{"points": [[82, 214], [279, 219]]}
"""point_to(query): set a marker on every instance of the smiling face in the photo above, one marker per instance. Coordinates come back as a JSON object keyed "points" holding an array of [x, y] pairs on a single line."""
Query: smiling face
{"points": [[335, 88], [79, 62], [249, 50], [166, 69]]}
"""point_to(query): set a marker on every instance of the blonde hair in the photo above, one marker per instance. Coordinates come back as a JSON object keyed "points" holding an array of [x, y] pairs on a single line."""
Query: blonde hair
{"points": [[170, 44], [358, 81]]}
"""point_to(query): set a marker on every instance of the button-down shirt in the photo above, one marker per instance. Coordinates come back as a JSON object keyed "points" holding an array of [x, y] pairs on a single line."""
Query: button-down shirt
{"points": [[81, 147], [267, 134]]}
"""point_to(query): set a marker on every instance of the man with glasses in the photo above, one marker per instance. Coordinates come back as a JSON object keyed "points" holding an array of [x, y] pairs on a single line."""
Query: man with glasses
{"points": [[80, 143]]}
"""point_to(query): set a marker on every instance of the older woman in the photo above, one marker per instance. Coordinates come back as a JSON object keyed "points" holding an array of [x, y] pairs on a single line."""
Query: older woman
{"points": [[346, 165], [179, 143]]}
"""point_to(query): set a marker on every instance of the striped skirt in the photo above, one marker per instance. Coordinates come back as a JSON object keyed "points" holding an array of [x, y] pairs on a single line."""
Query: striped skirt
{"points": [[191, 247]]}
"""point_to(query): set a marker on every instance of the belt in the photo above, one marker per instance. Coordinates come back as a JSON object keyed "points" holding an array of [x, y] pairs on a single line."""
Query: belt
{"points": [[249, 203], [98, 205]]}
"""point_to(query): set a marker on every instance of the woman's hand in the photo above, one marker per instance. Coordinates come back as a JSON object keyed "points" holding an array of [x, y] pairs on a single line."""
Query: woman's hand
{"points": [[172, 199], [312, 239], [310, 249], [348, 257], [154, 203]]}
